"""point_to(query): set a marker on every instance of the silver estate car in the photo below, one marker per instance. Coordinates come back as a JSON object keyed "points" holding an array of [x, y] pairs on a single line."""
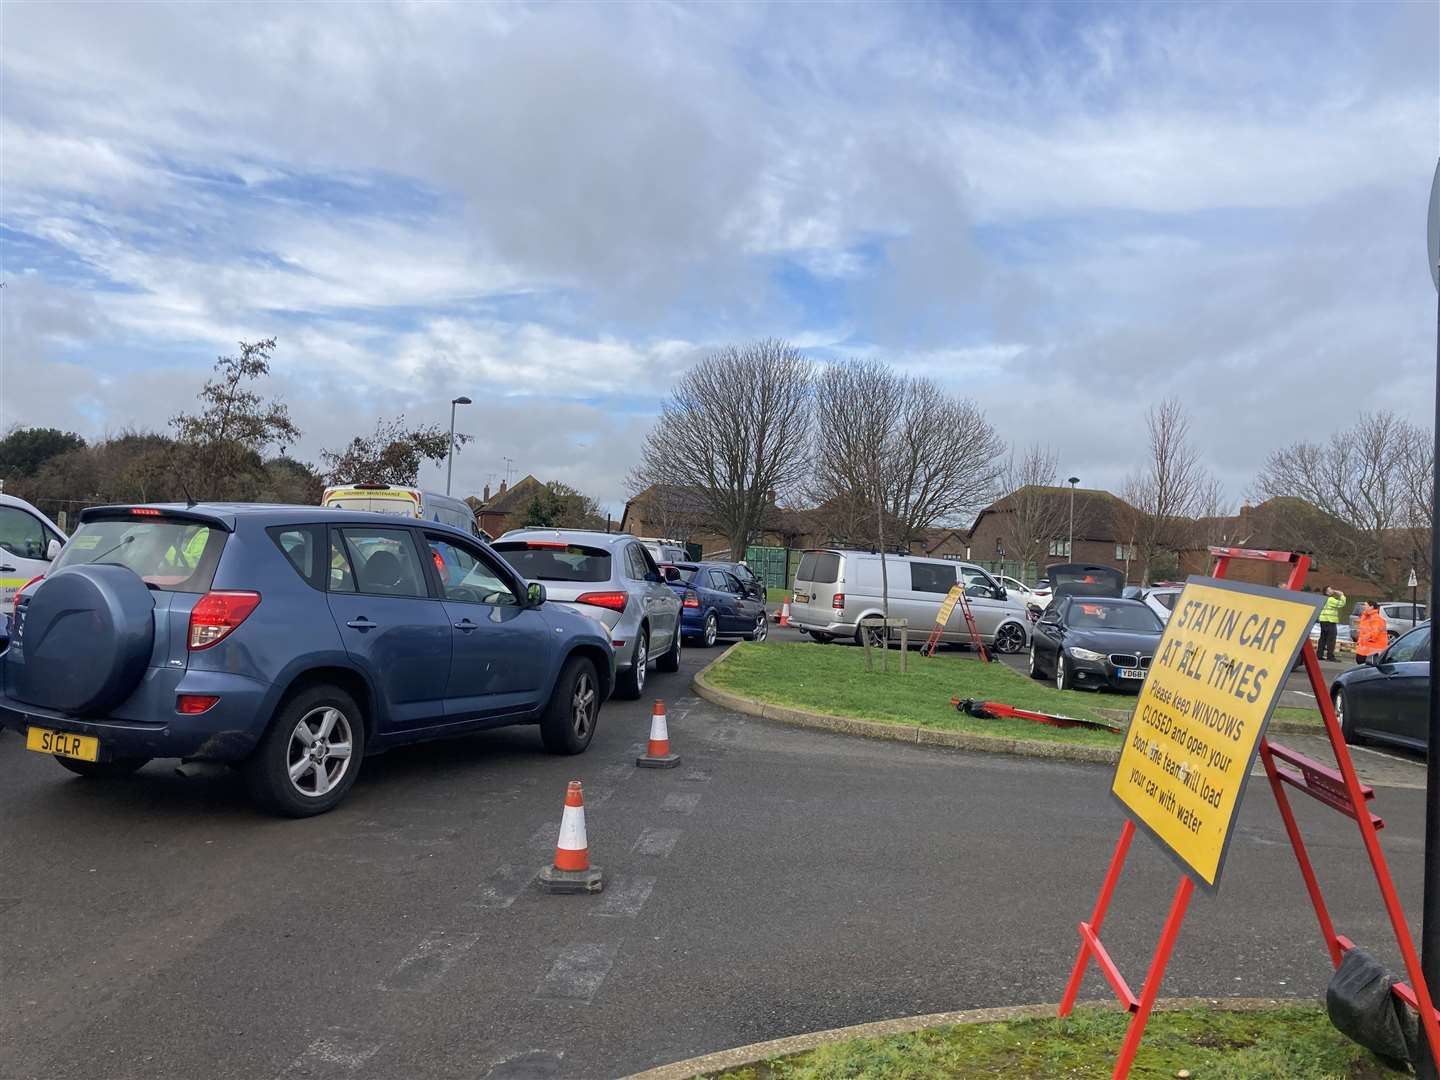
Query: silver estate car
{"points": [[835, 589], [613, 579]]}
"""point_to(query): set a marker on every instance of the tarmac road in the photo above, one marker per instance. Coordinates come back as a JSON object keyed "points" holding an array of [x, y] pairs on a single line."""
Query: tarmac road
{"points": [[778, 881]]}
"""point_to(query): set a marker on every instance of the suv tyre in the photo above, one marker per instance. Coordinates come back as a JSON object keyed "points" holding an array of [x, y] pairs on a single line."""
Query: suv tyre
{"points": [[310, 755], [631, 684], [671, 660], [568, 723]]}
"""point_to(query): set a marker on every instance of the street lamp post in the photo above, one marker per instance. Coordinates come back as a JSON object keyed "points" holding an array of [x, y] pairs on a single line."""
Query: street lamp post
{"points": [[1070, 545], [450, 452], [1430, 905]]}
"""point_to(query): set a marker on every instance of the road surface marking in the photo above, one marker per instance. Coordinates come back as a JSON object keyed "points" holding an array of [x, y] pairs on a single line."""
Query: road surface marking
{"points": [[624, 897], [501, 888], [528, 1065], [577, 972], [682, 803], [331, 1054], [429, 961], [656, 842]]}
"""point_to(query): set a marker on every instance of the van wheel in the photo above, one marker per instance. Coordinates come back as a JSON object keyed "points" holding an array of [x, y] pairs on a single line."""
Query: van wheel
{"points": [[102, 770], [877, 637], [310, 756], [569, 720], [631, 684]]}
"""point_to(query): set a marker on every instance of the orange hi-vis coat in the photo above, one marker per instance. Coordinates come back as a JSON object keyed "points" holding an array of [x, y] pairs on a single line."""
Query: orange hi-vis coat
{"points": [[1372, 637]]}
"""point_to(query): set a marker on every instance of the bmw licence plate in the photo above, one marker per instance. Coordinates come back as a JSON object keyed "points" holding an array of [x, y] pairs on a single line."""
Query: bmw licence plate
{"points": [[1132, 673], [80, 747]]}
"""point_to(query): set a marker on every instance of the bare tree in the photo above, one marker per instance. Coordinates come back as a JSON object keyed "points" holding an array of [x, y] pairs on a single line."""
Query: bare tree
{"points": [[1361, 501], [735, 433], [1033, 514], [925, 457], [1171, 489]]}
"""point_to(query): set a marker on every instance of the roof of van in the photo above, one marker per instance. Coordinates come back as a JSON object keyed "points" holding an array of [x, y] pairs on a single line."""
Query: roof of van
{"points": [[893, 555]]}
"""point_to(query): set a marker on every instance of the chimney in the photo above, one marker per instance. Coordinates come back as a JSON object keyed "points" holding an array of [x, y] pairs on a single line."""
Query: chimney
{"points": [[503, 485], [486, 497]]}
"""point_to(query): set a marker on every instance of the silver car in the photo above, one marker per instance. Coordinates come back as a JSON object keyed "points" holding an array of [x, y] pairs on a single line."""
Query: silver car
{"points": [[1400, 617], [614, 580], [835, 589]]}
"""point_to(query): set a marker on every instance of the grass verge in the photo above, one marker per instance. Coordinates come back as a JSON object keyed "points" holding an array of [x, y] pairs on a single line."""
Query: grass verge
{"points": [[832, 679], [1282, 1043]]}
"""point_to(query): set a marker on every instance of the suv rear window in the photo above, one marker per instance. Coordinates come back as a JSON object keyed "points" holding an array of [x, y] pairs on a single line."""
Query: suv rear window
{"points": [[173, 556], [537, 560], [819, 566]]}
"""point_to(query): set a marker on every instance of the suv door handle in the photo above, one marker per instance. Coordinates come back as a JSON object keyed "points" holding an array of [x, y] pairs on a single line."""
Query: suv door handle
{"points": [[466, 625], [7, 569], [361, 623]]}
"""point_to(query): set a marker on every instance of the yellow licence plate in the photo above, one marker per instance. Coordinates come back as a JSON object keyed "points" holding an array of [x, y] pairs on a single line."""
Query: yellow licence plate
{"points": [[62, 745]]}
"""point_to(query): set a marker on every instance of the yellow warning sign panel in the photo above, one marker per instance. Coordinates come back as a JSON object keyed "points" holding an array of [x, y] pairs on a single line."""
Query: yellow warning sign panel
{"points": [[947, 607], [1212, 686]]}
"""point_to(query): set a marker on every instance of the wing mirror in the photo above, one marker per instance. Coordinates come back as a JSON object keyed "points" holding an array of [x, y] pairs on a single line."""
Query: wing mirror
{"points": [[534, 594], [52, 550], [670, 573], [1372, 660]]}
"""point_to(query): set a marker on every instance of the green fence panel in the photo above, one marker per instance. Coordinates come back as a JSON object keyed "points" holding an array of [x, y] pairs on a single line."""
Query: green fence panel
{"points": [[769, 564]]}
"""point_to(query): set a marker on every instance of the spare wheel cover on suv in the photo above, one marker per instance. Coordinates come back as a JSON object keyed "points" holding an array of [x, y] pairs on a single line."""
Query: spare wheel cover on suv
{"points": [[88, 635]]}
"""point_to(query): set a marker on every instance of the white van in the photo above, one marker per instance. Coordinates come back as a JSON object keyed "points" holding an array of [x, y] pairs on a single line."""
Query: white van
{"points": [[28, 542], [409, 502], [835, 589]]}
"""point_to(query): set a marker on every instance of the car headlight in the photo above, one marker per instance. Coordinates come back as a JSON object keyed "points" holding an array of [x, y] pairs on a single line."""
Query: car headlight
{"points": [[1086, 654]]}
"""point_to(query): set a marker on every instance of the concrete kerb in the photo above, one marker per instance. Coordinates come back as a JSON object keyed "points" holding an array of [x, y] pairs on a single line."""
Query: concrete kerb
{"points": [[755, 1053], [919, 735]]}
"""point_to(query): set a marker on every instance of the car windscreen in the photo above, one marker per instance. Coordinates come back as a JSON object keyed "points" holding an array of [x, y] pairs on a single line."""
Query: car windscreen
{"points": [[555, 561], [174, 556], [1095, 615]]}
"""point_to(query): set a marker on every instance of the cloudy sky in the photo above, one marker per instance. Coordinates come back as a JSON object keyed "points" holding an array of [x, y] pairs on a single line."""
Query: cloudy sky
{"points": [[1064, 211]]}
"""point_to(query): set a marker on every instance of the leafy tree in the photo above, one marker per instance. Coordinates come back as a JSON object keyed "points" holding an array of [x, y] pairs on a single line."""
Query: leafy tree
{"points": [[392, 454], [225, 440], [24, 450], [559, 506]]}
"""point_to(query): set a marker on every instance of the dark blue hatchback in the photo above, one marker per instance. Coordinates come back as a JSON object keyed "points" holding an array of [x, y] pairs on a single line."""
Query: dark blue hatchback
{"points": [[715, 603], [288, 640]]}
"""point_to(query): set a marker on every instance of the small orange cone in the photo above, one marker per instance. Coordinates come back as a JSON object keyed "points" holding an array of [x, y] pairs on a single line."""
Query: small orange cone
{"points": [[657, 755], [785, 612], [572, 872]]}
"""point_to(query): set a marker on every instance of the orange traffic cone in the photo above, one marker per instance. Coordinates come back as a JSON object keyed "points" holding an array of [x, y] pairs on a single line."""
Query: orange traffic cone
{"points": [[657, 755], [572, 872], [785, 612]]}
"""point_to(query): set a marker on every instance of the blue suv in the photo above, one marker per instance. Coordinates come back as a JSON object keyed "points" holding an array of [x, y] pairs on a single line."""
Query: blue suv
{"points": [[290, 642]]}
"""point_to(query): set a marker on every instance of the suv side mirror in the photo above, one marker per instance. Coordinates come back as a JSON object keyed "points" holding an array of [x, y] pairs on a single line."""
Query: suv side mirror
{"points": [[534, 594], [52, 550]]}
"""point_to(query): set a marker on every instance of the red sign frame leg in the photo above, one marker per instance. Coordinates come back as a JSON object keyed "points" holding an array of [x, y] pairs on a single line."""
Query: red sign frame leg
{"points": [[1338, 788]]}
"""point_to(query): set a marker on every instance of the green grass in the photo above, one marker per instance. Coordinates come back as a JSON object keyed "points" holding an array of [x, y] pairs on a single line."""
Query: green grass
{"points": [[775, 596], [1283, 1043], [1310, 717], [832, 679]]}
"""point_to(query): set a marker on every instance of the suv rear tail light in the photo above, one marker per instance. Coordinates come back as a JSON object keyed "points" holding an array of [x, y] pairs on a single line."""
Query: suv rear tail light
{"points": [[217, 613], [691, 600], [194, 704], [838, 600], [15, 600], [615, 601]]}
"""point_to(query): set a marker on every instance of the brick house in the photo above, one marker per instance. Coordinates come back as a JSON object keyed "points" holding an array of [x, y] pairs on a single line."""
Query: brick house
{"points": [[1100, 519], [508, 507]]}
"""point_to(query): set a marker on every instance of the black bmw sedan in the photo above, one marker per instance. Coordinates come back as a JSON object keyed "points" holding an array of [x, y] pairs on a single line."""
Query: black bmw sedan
{"points": [[1387, 699], [1096, 641]]}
